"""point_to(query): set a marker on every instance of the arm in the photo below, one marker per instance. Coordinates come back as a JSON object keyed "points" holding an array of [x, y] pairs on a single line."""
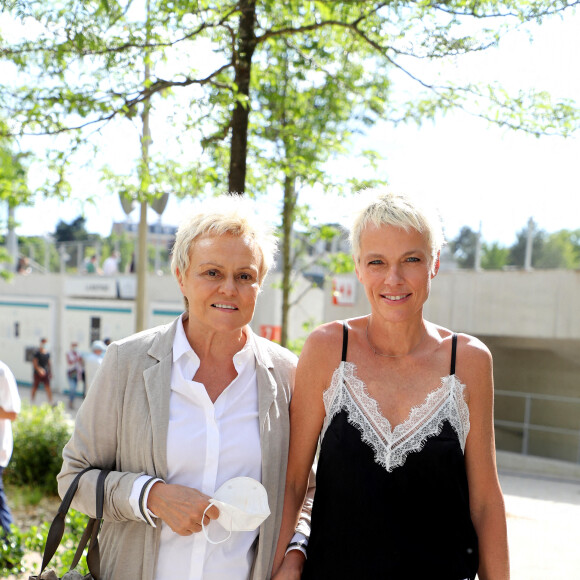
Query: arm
{"points": [[112, 434], [94, 443], [10, 415], [319, 357], [37, 367], [485, 496]]}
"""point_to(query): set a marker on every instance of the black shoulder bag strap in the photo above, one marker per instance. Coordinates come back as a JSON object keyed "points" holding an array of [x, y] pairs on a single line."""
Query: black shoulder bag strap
{"points": [[56, 530]]}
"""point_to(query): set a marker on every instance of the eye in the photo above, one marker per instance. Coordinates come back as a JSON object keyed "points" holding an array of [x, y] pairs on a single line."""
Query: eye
{"points": [[375, 262], [212, 273], [246, 277], [412, 259]]}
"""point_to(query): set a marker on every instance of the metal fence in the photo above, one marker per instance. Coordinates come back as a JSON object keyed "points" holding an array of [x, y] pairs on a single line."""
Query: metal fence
{"points": [[74, 257], [554, 419]]}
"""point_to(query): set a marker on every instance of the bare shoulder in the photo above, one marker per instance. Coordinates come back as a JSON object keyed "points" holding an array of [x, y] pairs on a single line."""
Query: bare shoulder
{"points": [[474, 360], [326, 336], [322, 350]]}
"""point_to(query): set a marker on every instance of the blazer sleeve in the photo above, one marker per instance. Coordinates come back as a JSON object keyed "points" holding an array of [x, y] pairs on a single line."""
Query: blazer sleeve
{"points": [[94, 443]]}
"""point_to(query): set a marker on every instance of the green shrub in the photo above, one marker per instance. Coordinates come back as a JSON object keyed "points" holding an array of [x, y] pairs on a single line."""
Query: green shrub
{"points": [[11, 553], [40, 433]]}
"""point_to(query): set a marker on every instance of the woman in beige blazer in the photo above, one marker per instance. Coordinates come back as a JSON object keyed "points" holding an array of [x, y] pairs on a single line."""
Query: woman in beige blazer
{"points": [[177, 410]]}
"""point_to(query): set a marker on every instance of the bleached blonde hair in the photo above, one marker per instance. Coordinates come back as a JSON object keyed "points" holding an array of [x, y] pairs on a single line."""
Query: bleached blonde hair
{"points": [[234, 215], [381, 207]]}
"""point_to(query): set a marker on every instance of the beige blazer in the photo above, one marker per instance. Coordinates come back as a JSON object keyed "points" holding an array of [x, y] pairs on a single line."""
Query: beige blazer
{"points": [[122, 425]]}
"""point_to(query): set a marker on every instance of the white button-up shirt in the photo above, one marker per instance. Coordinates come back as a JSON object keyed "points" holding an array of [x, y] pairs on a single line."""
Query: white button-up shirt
{"points": [[207, 444]]}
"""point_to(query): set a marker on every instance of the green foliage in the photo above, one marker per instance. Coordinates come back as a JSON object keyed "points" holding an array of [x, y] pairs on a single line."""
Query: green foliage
{"points": [[18, 543], [463, 247], [518, 249], [12, 553], [297, 344], [40, 434], [41, 250], [74, 231], [559, 249], [494, 256]]}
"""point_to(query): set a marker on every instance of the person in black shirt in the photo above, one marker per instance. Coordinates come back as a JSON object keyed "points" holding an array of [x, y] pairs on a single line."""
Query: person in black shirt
{"points": [[42, 371]]}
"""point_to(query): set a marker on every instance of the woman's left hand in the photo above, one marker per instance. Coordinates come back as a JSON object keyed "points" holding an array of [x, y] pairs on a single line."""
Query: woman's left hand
{"points": [[291, 568]]}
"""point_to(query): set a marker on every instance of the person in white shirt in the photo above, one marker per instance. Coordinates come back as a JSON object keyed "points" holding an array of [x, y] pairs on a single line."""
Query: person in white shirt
{"points": [[93, 360], [9, 409], [111, 264], [179, 410]]}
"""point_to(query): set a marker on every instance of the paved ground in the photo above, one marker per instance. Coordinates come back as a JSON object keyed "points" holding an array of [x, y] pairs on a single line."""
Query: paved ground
{"points": [[543, 512], [543, 526]]}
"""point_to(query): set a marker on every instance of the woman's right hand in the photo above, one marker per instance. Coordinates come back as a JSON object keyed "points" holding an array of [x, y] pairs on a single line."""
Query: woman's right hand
{"points": [[180, 507]]}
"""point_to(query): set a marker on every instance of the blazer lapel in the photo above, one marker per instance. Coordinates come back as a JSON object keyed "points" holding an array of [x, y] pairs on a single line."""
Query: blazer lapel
{"points": [[157, 379]]}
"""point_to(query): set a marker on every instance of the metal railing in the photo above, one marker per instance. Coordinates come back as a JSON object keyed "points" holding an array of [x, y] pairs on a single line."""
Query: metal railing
{"points": [[72, 257], [526, 426]]}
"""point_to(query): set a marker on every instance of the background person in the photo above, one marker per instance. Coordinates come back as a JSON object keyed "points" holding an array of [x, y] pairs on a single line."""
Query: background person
{"points": [[41, 370], [111, 264], [93, 361], [404, 409], [180, 409], [9, 409], [74, 371]]}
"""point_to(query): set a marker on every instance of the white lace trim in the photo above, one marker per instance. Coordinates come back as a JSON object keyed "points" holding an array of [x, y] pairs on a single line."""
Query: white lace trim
{"points": [[391, 446]]}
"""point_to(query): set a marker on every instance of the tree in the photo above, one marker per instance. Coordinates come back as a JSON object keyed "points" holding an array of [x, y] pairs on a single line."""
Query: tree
{"points": [[560, 250], [85, 50], [463, 247], [305, 116], [74, 231], [494, 256], [518, 249], [14, 191]]}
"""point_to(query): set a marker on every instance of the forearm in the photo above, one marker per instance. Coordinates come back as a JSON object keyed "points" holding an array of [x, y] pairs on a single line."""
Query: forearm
{"points": [[490, 524], [293, 500], [11, 415]]}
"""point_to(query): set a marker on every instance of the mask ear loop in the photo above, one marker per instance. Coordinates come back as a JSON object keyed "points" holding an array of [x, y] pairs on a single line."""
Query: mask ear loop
{"points": [[203, 528]]}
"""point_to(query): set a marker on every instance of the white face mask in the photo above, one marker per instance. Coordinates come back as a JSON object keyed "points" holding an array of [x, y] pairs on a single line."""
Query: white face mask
{"points": [[243, 506]]}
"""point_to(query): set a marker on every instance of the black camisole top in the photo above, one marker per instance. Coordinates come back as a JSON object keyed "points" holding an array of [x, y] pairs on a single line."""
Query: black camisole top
{"points": [[392, 503]]}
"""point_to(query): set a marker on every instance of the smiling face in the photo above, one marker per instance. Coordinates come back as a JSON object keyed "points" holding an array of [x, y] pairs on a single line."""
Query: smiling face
{"points": [[395, 269], [221, 283]]}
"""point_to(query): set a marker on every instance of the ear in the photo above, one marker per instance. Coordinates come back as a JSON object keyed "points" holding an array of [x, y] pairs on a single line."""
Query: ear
{"points": [[179, 278], [436, 265], [356, 265]]}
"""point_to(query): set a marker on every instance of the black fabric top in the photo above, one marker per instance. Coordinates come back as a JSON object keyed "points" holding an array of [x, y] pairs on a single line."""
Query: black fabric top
{"points": [[410, 523], [42, 359]]}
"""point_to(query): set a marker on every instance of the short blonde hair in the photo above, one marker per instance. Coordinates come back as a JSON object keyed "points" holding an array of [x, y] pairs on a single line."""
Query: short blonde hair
{"points": [[234, 215], [381, 207]]}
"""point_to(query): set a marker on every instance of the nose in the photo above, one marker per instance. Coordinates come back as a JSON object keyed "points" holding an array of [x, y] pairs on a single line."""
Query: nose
{"points": [[393, 275], [228, 286]]}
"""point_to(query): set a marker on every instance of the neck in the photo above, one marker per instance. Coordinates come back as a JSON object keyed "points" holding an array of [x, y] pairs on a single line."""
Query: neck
{"points": [[209, 343], [398, 344]]}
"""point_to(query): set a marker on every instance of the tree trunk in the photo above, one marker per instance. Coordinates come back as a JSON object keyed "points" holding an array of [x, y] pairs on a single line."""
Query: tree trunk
{"points": [[287, 224], [240, 117]]}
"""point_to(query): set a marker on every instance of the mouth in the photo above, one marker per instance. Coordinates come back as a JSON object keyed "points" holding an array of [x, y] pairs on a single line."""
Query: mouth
{"points": [[224, 306], [395, 298]]}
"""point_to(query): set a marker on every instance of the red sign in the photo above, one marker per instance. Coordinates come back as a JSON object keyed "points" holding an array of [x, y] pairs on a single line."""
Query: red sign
{"points": [[343, 291], [271, 332]]}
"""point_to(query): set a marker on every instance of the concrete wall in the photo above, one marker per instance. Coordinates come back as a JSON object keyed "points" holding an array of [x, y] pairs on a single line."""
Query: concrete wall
{"points": [[539, 304]]}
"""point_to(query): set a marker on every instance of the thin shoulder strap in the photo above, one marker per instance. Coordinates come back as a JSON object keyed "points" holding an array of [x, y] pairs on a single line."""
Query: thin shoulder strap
{"points": [[453, 353], [344, 340]]}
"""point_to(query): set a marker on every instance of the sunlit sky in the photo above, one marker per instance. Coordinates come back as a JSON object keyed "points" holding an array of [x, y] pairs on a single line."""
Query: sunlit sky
{"points": [[475, 173]]}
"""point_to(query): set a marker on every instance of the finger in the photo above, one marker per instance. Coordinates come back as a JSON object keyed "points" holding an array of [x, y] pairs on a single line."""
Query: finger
{"points": [[213, 513]]}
